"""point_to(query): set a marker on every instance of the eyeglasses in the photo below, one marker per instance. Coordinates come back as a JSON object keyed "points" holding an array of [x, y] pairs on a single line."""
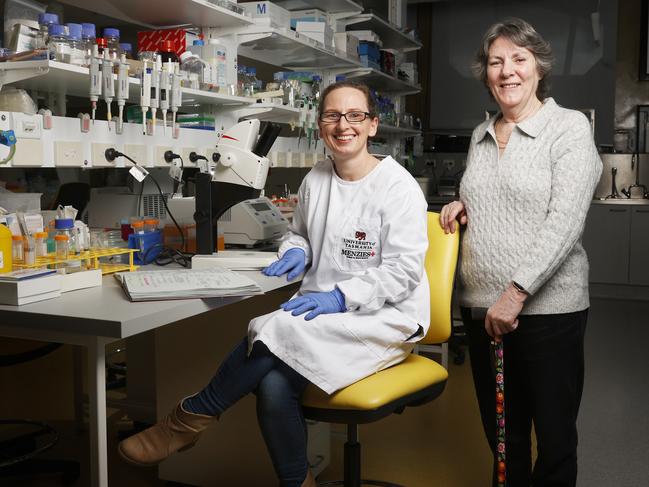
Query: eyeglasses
{"points": [[351, 117]]}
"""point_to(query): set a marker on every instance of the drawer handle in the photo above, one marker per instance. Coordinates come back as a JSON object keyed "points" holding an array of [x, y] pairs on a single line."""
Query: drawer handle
{"points": [[618, 210], [642, 211]]}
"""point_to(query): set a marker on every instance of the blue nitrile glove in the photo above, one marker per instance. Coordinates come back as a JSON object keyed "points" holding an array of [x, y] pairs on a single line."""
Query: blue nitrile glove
{"points": [[293, 261], [318, 303]]}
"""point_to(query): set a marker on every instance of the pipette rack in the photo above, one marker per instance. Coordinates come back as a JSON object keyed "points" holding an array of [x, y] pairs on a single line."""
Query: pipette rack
{"points": [[91, 257]]}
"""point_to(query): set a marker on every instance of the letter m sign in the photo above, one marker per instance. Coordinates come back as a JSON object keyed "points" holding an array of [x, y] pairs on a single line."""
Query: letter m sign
{"points": [[261, 8]]}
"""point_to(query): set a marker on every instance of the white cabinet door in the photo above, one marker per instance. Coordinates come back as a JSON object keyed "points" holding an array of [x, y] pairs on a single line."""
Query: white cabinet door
{"points": [[606, 240]]}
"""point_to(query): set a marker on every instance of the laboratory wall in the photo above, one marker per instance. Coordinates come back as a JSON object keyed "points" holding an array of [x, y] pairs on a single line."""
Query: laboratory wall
{"points": [[584, 75]]}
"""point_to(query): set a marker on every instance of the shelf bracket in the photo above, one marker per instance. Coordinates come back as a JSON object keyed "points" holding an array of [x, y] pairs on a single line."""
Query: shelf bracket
{"points": [[14, 75]]}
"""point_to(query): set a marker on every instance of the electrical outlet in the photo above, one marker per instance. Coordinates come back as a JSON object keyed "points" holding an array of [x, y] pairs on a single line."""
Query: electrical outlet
{"points": [[68, 154], [137, 152], [99, 155], [449, 164], [185, 155], [160, 155], [431, 163]]}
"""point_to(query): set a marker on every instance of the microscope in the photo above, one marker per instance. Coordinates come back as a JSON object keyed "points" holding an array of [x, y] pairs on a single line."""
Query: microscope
{"points": [[237, 172]]}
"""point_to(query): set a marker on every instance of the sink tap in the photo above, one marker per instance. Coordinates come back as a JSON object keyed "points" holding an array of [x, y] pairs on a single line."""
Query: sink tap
{"points": [[637, 185], [614, 193]]}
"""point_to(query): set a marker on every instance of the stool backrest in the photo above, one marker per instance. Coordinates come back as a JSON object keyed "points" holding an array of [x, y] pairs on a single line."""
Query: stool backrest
{"points": [[441, 260]]}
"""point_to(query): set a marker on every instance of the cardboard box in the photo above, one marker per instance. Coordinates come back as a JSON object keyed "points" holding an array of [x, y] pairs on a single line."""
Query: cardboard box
{"points": [[346, 44], [310, 15], [267, 13], [320, 31], [367, 36], [26, 291], [180, 38]]}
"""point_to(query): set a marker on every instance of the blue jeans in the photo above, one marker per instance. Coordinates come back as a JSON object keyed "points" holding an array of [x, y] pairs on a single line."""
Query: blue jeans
{"points": [[278, 389]]}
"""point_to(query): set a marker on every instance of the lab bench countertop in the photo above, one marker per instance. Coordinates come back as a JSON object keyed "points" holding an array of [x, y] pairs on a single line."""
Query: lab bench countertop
{"points": [[106, 311], [621, 201]]}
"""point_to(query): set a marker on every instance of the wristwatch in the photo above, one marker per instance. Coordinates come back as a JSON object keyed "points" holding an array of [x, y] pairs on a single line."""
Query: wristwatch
{"points": [[519, 288]]}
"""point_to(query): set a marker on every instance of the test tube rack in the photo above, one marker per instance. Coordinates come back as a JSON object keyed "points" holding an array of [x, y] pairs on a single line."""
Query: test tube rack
{"points": [[91, 257]]}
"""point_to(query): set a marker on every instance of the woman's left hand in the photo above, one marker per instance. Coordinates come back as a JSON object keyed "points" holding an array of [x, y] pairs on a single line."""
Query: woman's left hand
{"points": [[502, 317]]}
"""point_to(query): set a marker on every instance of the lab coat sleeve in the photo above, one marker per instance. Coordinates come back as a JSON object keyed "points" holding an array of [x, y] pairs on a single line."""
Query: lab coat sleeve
{"points": [[404, 240], [575, 174], [297, 233]]}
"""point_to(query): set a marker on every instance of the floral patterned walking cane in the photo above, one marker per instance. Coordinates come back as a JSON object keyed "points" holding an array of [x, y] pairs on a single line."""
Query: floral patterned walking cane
{"points": [[499, 363]]}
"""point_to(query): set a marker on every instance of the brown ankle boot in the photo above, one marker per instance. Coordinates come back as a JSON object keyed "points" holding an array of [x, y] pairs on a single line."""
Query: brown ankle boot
{"points": [[179, 430], [309, 481]]}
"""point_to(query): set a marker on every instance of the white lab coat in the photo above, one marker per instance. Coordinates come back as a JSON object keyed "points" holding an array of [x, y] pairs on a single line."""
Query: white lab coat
{"points": [[369, 238]]}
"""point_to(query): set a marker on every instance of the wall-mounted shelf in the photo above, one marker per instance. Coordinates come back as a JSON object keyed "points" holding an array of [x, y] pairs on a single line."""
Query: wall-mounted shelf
{"points": [[381, 81], [288, 49], [391, 36], [165, 13], [53, 76], [385, 130], [329, 6], [271, 113]]}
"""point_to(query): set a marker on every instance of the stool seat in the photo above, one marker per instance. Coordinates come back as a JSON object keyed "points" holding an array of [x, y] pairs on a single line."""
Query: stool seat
{"points": [[386, 390]]}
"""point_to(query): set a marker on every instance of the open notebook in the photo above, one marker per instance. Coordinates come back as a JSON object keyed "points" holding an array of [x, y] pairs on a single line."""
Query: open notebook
{"points": [[186, 284]]}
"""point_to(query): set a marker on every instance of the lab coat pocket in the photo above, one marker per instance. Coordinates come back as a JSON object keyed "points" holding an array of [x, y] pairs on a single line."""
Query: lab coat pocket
{"points": [[358, 244]]}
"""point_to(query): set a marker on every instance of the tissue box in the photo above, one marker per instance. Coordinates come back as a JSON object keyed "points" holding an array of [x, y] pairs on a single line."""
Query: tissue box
{"points": [[310, 15], [268, 13], [346, 44], [320, 31]]}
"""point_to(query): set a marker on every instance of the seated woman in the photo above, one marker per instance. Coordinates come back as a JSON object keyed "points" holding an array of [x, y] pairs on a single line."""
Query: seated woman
{"points": [[360, 224]]}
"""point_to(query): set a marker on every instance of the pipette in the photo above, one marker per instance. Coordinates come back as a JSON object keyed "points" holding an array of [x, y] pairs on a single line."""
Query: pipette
{"points": [[95, 80], [155, 85], [164, 92], [176, 98], [108, 83], [122, 91], [145, 93]]}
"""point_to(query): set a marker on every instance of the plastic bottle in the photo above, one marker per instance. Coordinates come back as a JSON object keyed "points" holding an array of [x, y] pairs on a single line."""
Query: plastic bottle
{"points": [[62, 247], [88, 38], [167, 52], [77, 54], [217, 58], [254, 85], [40, 242], [65, 226], [193, 67], [29, 252], [44, 22], [242, 77], [198, 50], [58, 44], [112, 42], [127, 49], [17, 248], [101, 46], [5, 249], [151, 225], [315, 90]]}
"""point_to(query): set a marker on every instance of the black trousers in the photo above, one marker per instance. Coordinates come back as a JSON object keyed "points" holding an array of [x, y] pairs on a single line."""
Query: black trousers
{"points": [[544, 378]]}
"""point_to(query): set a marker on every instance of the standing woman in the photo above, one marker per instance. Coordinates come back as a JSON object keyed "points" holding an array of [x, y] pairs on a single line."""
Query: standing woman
{"points": [[530, 176], [360, 230]]}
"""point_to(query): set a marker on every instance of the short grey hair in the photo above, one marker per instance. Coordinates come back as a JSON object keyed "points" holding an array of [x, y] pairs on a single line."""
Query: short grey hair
{"points": [[524, 35]]}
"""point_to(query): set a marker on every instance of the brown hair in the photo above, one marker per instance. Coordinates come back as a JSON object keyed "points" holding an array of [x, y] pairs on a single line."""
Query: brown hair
{"points": [[371, 104], [524, 35]]}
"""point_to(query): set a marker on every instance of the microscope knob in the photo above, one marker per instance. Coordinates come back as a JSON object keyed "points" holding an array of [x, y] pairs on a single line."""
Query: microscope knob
{"points": [[216, 157], [227, 160]]}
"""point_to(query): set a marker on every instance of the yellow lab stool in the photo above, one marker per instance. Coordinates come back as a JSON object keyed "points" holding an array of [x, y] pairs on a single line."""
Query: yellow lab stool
{"points": [[415, 381]]}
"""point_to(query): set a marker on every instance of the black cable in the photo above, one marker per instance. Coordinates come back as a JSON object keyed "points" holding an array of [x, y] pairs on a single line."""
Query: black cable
{"points": [[19, 358], [167, 255]]}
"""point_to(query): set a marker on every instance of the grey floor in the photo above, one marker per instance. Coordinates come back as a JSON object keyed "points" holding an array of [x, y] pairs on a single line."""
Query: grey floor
{"points": [[441, 443], [614, 415]]}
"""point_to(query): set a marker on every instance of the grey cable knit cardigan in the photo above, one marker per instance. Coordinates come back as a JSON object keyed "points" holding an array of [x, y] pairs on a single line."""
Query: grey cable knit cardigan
{"points": [[526, 211]]}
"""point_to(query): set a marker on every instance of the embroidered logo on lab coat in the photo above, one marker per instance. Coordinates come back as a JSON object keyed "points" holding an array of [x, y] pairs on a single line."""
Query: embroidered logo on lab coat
{"points": [[358, 248]]}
